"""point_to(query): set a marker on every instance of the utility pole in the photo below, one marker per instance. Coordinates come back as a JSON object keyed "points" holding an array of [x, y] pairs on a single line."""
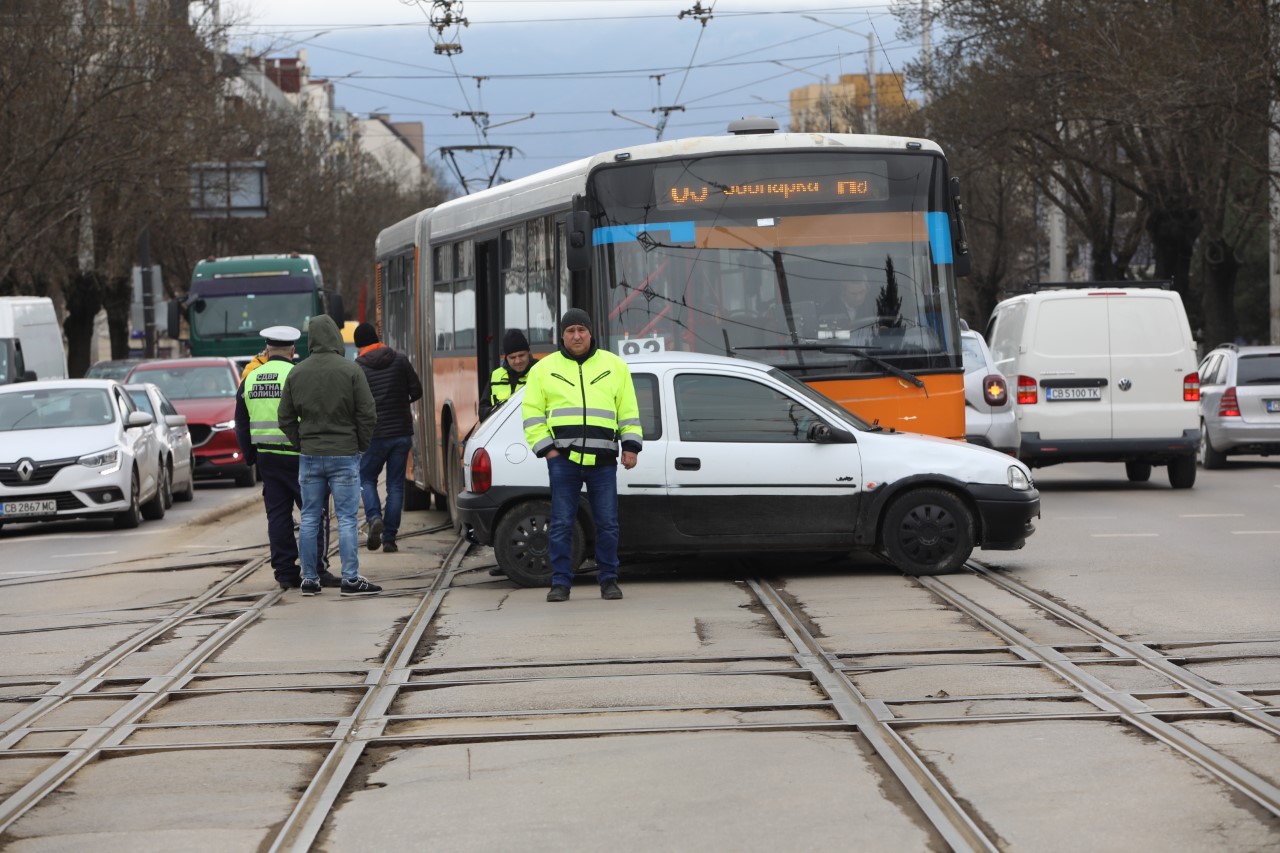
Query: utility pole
{"points": [[872, 111], [1273, 151], [148, 296], [926, 55]]}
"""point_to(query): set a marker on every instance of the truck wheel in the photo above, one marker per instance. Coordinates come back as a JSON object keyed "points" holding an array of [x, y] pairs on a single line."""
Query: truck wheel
{"points": [[1138, 472], [1210, 457], [928, 532], [1182, 472], [522, 546]]}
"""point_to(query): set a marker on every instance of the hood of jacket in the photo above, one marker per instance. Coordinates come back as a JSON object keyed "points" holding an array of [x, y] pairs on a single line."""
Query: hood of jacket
{"points": [[324, 336], [378, 359]]}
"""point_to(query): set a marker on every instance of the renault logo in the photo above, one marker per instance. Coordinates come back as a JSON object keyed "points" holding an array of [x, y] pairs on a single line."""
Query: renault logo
{"points": [[25, 469]]}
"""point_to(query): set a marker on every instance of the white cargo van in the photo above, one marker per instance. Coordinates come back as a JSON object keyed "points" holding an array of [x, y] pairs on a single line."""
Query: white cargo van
{"points": [[32, 320], [1102, 374]]}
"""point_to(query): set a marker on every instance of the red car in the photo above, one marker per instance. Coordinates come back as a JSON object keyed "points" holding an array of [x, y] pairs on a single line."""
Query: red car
{"points": [[203, 389]]}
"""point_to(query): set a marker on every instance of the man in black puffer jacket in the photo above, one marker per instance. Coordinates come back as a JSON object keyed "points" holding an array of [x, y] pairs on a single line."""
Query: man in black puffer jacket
{"points": [[395, 385]]}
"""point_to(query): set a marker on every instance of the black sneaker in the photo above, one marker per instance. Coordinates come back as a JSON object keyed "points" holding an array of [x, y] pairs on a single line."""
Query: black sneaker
{"points": [[330, 580], [558, 593], [310, 587], [359, 586], [289, 583], [390, 547], [375, 534], [498, 572], [609, 591]]}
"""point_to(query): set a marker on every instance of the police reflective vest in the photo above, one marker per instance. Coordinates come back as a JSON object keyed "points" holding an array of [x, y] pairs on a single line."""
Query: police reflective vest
{"points": [[262, 388], [582, 409], [500, 387]]}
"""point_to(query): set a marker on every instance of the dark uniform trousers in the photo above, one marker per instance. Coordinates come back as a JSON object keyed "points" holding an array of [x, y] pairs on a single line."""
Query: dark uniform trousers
{"points": [[281, 493]]}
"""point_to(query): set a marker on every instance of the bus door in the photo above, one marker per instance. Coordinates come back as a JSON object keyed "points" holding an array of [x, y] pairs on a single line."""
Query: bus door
{"points": [[488, 311]]}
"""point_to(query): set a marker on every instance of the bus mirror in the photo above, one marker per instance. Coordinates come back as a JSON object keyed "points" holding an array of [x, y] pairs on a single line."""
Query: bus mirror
{"points": [[578, 241], [962, 263], [333, 300]]}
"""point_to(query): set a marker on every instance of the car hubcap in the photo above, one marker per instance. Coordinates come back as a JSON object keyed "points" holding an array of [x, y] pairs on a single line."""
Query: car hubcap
{"points": [[531, 542], [928, 532]]}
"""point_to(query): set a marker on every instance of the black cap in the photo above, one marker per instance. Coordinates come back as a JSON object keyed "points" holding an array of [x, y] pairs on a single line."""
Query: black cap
{"points": [[575, 317], [514, 341], [365, 335]]}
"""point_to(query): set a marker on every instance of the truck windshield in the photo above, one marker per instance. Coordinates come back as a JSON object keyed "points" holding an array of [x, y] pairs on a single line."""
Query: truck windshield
{"points": [[817, 253], [243, 307]]}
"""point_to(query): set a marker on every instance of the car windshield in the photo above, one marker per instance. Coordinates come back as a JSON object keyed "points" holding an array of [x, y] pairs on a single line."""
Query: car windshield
{"points": [[828, 406], [110, 370], [54, 408], [1261, 369], [243, 307], [192, 383]]}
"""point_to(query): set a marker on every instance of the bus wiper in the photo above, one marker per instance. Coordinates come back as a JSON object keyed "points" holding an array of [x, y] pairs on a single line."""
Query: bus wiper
{"points": [[846, 349]]}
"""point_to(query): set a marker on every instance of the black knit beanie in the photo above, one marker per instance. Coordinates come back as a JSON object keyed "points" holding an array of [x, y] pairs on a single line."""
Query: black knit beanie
{"points": [[514, 341], [575, 317], [365, 335]]}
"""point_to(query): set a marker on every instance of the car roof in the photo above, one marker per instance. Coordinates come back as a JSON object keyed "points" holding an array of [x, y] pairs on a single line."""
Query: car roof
{"points": [[1253, 349], [47, 384], [201, 361], [695, 359]]}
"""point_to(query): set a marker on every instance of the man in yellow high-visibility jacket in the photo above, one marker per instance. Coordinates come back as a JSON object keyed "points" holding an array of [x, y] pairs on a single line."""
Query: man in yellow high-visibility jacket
{"points": [[579, 404]]}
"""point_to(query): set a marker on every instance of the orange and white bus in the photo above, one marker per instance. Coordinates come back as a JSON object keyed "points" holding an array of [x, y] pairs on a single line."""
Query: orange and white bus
{"points": [[743, 244]]}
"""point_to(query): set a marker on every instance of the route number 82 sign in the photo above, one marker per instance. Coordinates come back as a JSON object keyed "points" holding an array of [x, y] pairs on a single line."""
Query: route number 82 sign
{"points": [[636, 346]]}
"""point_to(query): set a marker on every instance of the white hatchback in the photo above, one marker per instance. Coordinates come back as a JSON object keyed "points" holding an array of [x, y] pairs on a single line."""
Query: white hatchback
{"points": [[76, 448], [741, 457]]}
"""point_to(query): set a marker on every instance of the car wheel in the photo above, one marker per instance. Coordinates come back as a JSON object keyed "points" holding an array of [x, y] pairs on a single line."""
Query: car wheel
{"points": [[453, 477], [522, 545], [1211, 458], [188, 492], [1138, 472], [154, 509], [168, 484], [928, 532], [247, 477], [1182, 472], [131, 517]]}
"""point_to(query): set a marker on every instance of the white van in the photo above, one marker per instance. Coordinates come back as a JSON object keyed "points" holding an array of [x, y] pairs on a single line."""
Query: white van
{"points": [[1102, 374], [32, 320]]}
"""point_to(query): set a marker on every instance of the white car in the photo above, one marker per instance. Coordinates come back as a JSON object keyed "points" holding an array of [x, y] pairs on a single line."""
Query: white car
{"points": [[178, 480], [741, 457], [77, 448], [989, 415]]}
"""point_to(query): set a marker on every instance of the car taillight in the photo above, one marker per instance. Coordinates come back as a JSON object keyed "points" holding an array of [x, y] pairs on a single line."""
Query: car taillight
{"points": [[1229, 406], [1191, 388], [1027, 391], [995, 390], [481, 471]]}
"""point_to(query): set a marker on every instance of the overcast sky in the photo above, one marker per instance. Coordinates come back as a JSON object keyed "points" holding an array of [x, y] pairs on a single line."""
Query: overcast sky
{"points": [[571, 63]]}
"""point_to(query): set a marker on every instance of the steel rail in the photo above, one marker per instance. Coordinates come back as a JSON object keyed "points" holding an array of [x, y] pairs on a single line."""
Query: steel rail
{"points": [[1131, 710], [946, 815], [304, 823]]}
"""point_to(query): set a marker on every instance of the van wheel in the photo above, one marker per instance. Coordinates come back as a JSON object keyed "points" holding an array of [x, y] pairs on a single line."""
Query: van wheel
{"points": [[1138, 472], [1211, 458], [1182, 472], [928, 532], [523, 547]]}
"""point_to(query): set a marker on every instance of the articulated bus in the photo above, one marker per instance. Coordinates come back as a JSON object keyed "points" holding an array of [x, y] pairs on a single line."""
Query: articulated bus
{"points": [[743, 245]]}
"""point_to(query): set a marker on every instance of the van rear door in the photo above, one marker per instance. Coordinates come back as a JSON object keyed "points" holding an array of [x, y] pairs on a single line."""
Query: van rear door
{"points": [[1071, 365], [1150, 359]]}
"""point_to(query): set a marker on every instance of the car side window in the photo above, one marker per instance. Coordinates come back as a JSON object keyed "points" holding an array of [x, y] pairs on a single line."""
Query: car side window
{"points": [[647, 398], [1209, 375], [125, 407], [731, 409]]}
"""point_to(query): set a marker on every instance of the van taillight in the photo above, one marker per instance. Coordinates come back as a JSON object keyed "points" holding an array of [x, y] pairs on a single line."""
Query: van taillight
{"points": [[1027, 391], [1229, 406], [481, 471], [1191, 388], [995, 390]]}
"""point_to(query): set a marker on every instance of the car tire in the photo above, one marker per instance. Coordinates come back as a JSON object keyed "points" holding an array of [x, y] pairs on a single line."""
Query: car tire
{"points": [[1137, 472], [154, 509], [928, 532], [188, 493], [453, 477], [168, 492], [1210, 457], [131, 517], [247, 477], [522, 546], [1182, 472]]}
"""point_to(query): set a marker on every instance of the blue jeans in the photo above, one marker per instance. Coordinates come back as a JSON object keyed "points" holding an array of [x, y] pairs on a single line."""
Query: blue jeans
{"points": [[392, 452], [340, 475], [567, 479]]}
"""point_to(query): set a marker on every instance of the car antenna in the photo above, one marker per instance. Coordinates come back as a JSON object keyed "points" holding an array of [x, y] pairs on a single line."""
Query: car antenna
{"points": [[728, 350]]}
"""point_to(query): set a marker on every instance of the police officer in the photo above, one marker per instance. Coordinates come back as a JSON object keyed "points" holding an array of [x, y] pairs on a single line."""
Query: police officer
{"points": [[579, 406], [263, 443], [511, 374]]}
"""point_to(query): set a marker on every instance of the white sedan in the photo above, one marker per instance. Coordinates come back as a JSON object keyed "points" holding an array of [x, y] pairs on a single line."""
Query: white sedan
{"points": [[741, 457], [77, 448], [178, 477]]}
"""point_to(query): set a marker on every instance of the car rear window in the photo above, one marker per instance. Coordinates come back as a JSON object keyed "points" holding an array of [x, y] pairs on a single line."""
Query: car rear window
{"points": [[973, 359], [1262, 369]]}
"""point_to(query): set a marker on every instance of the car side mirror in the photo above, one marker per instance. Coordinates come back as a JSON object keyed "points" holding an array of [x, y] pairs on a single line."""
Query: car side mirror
{"points": [[578, 241], [820, 433], [27, 376], [175, 420], [139, 419]]}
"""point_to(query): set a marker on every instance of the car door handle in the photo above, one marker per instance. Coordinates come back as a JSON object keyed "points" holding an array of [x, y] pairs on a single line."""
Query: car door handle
{"points": [[688, 463]]}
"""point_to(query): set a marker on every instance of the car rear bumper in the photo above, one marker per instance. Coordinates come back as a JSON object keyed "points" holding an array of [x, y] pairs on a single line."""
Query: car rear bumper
{"points": [[1006, 515], [1237, 436], [1037, 452]]}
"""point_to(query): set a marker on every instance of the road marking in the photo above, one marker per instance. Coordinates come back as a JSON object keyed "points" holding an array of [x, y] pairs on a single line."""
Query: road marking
{"points": [[36, 572], [1253, 532], [1119, 535], [86, 554], [1213, 515]]}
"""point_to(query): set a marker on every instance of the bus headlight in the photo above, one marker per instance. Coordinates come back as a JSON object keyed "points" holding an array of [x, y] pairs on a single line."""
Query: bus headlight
{"points": [[1018, 479]]}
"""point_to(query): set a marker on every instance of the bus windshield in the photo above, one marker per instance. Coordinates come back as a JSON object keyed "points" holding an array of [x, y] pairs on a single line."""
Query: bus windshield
{"points": [[822, 263], [243, 307]]}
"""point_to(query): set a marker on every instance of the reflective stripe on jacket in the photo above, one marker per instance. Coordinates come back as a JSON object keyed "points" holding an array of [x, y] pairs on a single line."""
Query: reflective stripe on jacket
{"points": [[583, 409], [263, 386]]}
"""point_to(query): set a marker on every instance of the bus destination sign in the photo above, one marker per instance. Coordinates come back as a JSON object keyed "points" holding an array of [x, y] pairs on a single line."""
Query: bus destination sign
{"points": [[687, 189]]}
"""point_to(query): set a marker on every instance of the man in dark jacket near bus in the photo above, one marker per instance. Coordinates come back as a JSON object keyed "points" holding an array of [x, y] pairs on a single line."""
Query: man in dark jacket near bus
{"points": [[328, 413], [395, 385]]}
